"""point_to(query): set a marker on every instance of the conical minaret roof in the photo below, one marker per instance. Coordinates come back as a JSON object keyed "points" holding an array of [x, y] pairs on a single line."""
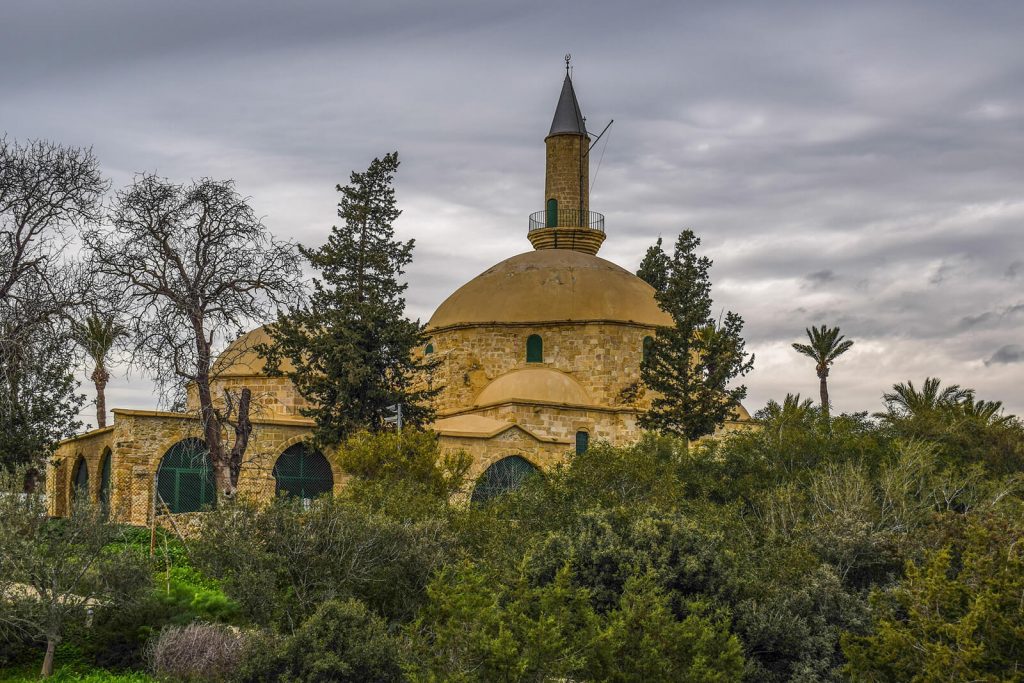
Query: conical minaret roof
{"points": [[568, 117]]}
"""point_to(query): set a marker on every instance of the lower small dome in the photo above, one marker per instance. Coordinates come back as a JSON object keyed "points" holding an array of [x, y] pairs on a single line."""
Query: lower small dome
{"points": [[534, 384]]}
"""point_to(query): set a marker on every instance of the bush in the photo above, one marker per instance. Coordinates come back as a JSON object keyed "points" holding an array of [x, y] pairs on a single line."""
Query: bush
{"points": [[197, 652], [342, 641]]}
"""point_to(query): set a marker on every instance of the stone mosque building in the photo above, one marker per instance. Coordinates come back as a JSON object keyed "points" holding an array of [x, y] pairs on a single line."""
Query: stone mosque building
{"points": [[538, 357]]}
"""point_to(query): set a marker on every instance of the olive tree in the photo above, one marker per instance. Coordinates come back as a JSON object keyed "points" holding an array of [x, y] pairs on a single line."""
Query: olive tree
{"points": [[197, 266], [54, 572]]}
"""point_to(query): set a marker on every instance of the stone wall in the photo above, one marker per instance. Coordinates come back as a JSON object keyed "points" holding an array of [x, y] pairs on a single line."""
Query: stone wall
{"points": [[139, 439], [603, 357], [272, 397]]}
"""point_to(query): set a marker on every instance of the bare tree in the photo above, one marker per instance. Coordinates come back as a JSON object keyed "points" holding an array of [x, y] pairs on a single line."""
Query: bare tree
{"points": [[197, 267], [47, 191]]}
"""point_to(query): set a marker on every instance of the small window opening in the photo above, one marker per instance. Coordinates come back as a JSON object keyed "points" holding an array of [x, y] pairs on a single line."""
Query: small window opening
{"points": [[534, 349], [648, 345], [429, 349], [582, 442]]}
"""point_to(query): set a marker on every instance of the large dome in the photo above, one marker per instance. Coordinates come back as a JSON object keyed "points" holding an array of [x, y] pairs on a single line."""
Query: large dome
{"points": [[552, 285]]}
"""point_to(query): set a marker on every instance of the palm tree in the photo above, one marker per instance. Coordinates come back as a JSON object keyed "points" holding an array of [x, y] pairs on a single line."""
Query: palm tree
{"points": [[906, 401], [826, 345], [988, 413], [97, 335]]}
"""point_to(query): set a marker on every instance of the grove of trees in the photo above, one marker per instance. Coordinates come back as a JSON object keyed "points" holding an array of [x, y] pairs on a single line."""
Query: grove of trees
{"points": [[807, 547]]}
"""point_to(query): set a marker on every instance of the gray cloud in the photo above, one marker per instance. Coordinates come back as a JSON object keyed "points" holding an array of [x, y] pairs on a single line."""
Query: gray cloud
{"points": [[878, 142], [1011, 353], [818, 278]]}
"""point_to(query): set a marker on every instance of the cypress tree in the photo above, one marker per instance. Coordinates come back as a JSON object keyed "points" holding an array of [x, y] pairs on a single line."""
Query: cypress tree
{"points": [[690, 364], [352, 346], [654, 267]]}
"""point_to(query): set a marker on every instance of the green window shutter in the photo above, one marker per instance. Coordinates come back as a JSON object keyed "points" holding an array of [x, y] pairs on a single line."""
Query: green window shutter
{"points": [[184, 480], [648, 343], [534, 349], [429, 349], [552, 217], [582, 442], [303, 472], [505, 475], [105, 476]]}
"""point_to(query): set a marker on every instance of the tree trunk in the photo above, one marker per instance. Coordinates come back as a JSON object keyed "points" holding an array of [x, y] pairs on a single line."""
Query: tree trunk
{"points": [[823, 386], [208, 416], [51, 649], [100, 376], [243, 428]]}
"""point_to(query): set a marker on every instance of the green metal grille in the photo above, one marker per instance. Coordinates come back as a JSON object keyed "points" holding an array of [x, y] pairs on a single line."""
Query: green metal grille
{"points": [[185, 480], [80, 481], [534, 349], [503, 476], [304, 472], [105, 483]]}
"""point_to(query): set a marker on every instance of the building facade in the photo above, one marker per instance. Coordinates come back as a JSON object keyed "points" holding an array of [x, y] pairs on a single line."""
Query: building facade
{"points": [[537, 357]]}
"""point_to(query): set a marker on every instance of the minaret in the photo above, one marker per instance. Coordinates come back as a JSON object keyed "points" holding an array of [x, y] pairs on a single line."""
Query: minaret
{"points": [[567, 222]]}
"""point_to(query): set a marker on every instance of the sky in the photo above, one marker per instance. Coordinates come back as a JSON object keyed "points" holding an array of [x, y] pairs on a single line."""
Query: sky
{"points": [[851, 164]]}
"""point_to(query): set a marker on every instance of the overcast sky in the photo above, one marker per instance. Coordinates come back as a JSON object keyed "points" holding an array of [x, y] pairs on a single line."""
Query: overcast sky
{"points": [[859, 164]]}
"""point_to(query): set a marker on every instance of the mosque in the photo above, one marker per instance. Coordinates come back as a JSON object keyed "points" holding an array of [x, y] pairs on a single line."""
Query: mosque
{"points": [[538, 357]]}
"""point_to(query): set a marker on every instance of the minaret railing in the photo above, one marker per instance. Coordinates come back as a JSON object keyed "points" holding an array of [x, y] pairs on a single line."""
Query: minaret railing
{"points": [[567, 218]]}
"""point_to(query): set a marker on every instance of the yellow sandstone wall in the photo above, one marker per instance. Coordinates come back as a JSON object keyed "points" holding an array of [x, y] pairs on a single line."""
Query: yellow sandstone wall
{"points": [[139, 439], [603, 357], [562, 180]]}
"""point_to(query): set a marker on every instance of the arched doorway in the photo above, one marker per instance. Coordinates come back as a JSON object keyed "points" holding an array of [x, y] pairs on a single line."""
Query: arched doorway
{"points": [[303, 471], [505, 475], [105, 475], [185, 480], [80, 480]]}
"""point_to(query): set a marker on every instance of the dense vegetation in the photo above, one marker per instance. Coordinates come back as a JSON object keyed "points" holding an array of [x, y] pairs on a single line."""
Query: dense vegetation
{"points": [[811, 548]]}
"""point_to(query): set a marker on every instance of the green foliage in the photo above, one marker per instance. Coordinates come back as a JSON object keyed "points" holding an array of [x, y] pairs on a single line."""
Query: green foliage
{"points": [[351, 346], [39, 398], [965, 429], [54, 572], [342, 641], [477, 629], [691, 363], [280, 562], [410, 456], [642, 641], [956, 615]]}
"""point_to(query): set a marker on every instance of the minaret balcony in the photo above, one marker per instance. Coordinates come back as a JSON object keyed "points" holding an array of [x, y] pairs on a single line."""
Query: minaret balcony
{"points": [[567, 229], [567, 218]]}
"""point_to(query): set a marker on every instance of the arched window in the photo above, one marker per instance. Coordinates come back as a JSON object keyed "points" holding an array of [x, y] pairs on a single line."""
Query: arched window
{"points": [[184, 480], [105, 466], [505, 475], [80, 480], [552, 217], [648, 345], [534, 349], [582, 442], [304, 472], [429, 349]]}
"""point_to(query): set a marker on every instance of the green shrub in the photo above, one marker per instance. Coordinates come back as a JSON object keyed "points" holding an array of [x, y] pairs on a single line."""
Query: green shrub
{"points": [[341, 642]]}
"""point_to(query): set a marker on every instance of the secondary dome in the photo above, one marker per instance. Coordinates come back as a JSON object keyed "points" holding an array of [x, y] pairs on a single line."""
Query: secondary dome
{"points": [[552, 285], [534, 384], [240, 359]]}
